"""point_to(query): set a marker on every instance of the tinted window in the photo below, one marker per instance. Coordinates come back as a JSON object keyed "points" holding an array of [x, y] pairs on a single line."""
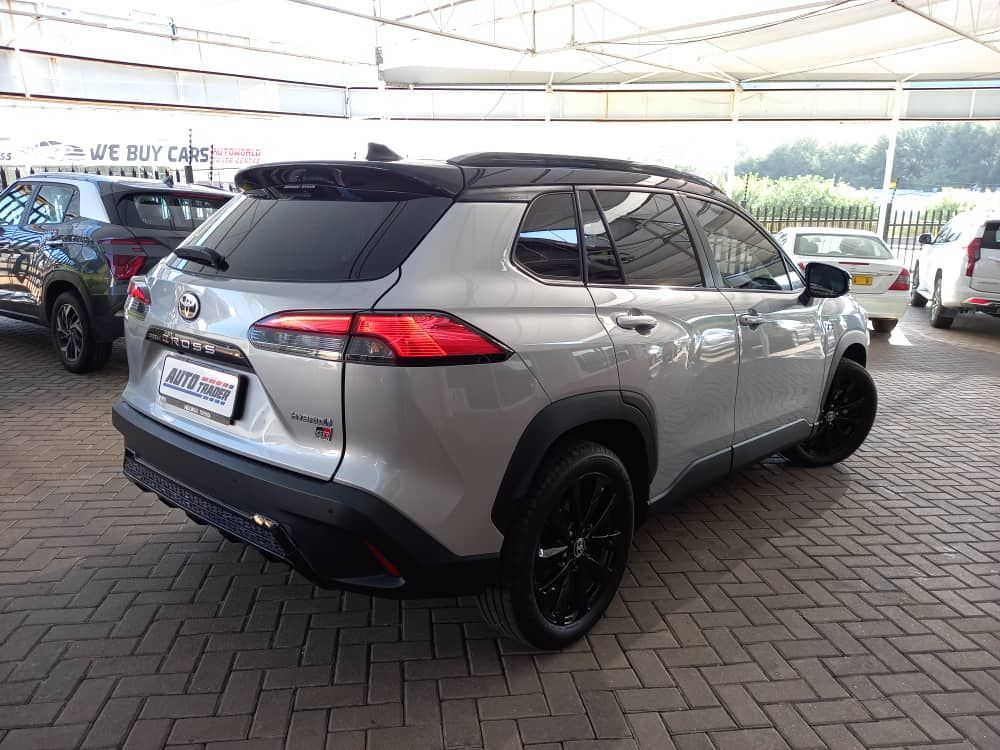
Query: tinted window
{"points": [[840, 246], [167, 211], [602, 266], [318, 233], [991, 235], [547, 244], [745, 256], [13, 204], [653, 244], [52, 204]]}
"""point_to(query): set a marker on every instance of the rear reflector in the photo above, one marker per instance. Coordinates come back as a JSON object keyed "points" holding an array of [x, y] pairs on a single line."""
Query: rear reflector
{"points": [[384, 561], [972, 253], [981, 301], [902, 282], [417, 338]]}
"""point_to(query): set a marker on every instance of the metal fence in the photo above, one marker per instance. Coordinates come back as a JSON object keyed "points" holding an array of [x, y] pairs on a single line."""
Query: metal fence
{"points": [[901, 231]]}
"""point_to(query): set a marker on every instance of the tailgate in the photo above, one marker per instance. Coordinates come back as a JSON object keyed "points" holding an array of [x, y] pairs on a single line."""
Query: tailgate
{"points": [[288, 409], [986, 271]]}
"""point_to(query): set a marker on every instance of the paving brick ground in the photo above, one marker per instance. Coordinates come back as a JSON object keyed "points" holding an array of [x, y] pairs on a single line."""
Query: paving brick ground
{"points": [[857, 606]]}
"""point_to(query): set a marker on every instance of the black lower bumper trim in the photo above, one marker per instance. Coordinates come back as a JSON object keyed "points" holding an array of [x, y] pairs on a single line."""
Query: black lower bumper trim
{"points": [[321, 528]]}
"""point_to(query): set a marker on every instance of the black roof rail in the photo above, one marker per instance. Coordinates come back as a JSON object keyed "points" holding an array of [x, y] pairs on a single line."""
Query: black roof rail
{"points": [[514, 159]]}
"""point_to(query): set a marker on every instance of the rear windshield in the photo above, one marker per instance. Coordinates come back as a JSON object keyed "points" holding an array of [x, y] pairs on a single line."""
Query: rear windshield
{"points": [[991, 235], [169, 211], [316, 233], [841, 246]]}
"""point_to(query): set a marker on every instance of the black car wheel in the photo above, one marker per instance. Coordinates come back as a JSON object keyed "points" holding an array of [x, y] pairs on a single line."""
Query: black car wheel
{"points": [[883, 325], [73, 337], [845, 421], [941, 316], [564, 557]]}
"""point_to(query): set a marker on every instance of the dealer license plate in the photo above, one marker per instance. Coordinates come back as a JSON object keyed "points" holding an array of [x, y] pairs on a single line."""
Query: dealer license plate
{"points": [[204, 391], [862, 280]]}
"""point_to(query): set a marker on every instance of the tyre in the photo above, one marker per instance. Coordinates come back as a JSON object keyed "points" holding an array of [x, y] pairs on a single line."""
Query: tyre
{"points": [[845, 420], [916, 298], [941, 316], [564, 556], [73, 336], [883, 325]]}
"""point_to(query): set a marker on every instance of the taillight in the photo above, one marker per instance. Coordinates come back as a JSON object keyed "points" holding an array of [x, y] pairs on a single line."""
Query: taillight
{"points": [[418, 338], [902, 282], [126, 256], [802, 266], [139, 299], [972, 252], [307, 334]]}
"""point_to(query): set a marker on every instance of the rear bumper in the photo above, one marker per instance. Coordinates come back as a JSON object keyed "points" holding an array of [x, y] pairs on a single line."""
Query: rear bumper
{"points": [[889, 305], [323, 529]]}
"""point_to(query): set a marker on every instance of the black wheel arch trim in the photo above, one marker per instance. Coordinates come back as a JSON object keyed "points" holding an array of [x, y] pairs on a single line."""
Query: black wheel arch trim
{"points": [[74, 281], [555, 421]]}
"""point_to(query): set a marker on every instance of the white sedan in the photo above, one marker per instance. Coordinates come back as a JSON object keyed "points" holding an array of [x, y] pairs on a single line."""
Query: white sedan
{"points": [[879, 282]]}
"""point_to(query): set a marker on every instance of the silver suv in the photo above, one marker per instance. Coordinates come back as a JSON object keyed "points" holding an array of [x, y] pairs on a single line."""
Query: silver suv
{"points": [[476, 377]]}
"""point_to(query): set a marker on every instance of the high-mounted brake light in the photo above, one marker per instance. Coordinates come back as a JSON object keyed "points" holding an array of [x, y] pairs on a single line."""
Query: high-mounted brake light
{"points": [[398, 338], [126, 256], [973, 252], [902, 282]]}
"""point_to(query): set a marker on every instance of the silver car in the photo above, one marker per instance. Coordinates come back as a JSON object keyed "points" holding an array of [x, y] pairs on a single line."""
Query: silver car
{"points": [[478, 376]]}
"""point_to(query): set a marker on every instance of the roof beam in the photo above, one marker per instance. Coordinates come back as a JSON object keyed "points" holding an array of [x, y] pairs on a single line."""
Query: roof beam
{"points": [[946, 25]]}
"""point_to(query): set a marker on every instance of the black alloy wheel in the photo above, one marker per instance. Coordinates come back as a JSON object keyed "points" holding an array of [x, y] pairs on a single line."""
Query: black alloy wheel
{"points": [[845, 420], [580, 544], [566, 552]]}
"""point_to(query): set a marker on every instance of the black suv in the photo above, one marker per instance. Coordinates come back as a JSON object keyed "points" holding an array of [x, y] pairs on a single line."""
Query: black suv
{"points": [[69, 243]]}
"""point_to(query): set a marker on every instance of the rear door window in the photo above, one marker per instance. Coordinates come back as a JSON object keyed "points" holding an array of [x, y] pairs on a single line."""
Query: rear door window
{"points": [[315, 233], [13, 205], [547, 244], [991, 235], [167, 211], [651, 240]]}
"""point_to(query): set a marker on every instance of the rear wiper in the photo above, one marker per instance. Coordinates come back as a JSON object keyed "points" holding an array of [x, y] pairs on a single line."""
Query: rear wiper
{"points": [[205, 255]]}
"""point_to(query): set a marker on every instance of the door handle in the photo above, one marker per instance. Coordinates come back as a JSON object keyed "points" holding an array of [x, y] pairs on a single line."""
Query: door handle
{"points": [[53, 243], [751, 320], [635, 321]]}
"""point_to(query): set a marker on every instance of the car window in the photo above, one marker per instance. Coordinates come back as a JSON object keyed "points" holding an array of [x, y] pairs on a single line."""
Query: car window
{"points": [[746, 257], [602, 263], [53, 203], [13, 204], [948, 233], [991, 235], [168, 211], [841, 246], [650, 238], [547, 244]]}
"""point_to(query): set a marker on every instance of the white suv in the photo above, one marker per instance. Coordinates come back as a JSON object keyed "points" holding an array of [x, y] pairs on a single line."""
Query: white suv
{"points": [[959, 271]]}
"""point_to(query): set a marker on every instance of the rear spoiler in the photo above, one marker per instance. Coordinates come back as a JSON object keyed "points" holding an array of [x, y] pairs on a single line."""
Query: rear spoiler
{"points": [[435, 179]]}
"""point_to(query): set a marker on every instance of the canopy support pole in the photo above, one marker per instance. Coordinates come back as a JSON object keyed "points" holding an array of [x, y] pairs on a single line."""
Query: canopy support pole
{"points": [[885, 197]]}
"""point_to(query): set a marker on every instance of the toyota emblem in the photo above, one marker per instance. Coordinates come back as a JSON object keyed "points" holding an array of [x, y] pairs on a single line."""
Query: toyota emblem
{"points": [[188, 306]]}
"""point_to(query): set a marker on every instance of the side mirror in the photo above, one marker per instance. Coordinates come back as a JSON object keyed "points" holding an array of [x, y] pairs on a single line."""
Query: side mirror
{"points": [[824, 280], [925, 239]]}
